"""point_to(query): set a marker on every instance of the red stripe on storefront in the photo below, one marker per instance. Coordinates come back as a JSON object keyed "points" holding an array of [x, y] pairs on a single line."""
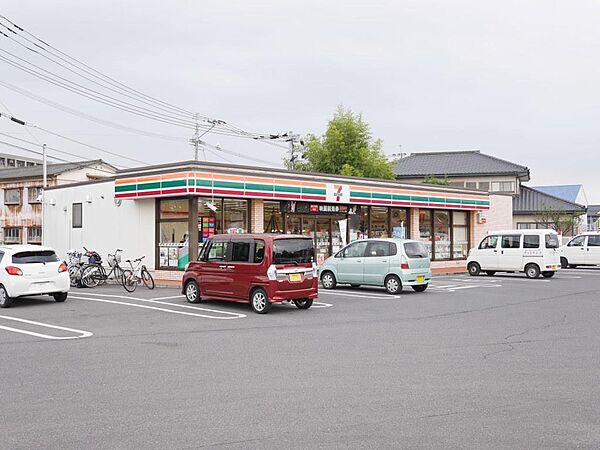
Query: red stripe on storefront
{"points": [[291, 196], [175, 191], [203, 190], [314, 197], [227, 192], [148, 193], [259, 194]]}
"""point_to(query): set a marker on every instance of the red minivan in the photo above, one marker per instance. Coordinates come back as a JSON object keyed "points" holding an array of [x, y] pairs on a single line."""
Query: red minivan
{"points": [[260, 269]]}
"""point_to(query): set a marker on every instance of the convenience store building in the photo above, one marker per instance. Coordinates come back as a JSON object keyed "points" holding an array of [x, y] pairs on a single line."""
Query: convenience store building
{"points": [[165, 212]]}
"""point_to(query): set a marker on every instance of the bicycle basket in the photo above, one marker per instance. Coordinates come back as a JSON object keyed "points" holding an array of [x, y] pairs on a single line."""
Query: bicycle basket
{"points": [[74, 257], [113, 260]]}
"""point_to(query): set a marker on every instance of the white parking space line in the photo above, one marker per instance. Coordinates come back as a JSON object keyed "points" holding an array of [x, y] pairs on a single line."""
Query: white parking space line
{"points": [[358, 295], [231, 315], [169, 298], [321, 305], [81, 333]]}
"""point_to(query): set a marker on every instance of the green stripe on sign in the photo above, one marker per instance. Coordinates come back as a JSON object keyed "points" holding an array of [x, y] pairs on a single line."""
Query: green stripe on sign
{"points": [[360, 194], [172, 183], [419, 199], [292, 189], [313, 191], [205, 183], [382, 196], [144, 186], [401, 197], [259, 187], [125, 187], [437, 200], [229, 184]]}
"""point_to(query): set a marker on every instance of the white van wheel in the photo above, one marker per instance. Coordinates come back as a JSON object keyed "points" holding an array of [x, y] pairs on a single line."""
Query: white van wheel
{"points": [[532, 271], [474, 269], [564, 263]]}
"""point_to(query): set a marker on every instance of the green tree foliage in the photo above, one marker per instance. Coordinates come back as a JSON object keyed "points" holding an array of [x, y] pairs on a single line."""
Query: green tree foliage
{"points": [[346, 148], [558, 221], [434, 180]]}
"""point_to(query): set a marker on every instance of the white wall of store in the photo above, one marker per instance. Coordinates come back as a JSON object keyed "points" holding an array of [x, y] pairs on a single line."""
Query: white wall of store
{"points": [[106, 226]]}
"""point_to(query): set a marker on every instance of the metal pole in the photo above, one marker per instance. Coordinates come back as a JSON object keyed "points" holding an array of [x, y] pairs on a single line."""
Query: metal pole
{"points": [[44, 183]]}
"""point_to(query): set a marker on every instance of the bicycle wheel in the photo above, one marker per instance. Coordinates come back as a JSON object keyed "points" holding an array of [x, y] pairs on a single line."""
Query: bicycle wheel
{"points": [[147, 278], [118, 274], [91, 276], [74, 275], [102, 275], [129, 281]]}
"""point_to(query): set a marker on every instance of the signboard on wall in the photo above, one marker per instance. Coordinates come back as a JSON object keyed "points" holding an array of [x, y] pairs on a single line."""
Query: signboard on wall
{"points": [[291, 207], [337, 193]]}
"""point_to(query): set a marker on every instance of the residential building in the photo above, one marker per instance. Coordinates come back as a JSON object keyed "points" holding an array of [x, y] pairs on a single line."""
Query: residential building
{"points": [[466, 169], [20, 195], [593, 218], [573, 193], [166, 212], [7, 161], [533, 208]]}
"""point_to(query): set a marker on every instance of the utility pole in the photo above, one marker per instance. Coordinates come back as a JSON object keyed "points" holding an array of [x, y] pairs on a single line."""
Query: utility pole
{"points": [[44, 183], [195, 140], [294, 139]]}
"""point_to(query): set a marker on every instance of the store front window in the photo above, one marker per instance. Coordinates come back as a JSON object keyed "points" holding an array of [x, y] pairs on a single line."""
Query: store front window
{"points": [[209, 219], [460, 234], [379, 222], [235, 216], [398, 223], [272, 216], [426, 229], [441, 234], [173, 232], [444, 233]]}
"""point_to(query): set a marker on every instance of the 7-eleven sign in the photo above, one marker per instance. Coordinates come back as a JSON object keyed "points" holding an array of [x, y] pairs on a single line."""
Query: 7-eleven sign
{"points": [[338, 193]]}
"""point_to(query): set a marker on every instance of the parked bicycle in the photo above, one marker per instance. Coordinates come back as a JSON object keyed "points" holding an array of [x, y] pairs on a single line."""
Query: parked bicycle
{"points": [[138, 274], [95, 274], [75, 267]]}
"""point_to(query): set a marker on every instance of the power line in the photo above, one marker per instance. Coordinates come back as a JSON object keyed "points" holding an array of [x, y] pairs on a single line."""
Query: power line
{"points": [[56, 150], [22, 122], [110, 88], [91, 71], [219, 126], [33, 151], [89, 117]]}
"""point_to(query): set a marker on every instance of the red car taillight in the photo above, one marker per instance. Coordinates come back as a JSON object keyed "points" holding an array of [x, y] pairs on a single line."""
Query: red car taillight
{"points": [[12, 270], [63, 267], [404, 264]]}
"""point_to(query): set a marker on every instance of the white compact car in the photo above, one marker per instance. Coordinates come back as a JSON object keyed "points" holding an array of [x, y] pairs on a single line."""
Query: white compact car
{"points": [[27, 270], [582, 250], [534, 252]]}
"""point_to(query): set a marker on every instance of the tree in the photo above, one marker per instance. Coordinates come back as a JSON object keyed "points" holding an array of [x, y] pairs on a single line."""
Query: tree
{"points": [[346, 148], [558, 221]]}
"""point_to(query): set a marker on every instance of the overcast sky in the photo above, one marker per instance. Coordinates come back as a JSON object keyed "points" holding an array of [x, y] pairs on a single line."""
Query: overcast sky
{"points": [[515, 79]]}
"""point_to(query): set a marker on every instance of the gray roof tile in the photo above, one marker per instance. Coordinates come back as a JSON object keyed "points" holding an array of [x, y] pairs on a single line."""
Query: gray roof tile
{"points": [[531, 201], [37, 171], [460, 163]]}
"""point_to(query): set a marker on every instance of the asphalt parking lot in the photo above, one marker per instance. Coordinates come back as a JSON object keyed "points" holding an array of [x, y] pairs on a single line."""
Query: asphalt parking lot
{"points": [[486, 362]]}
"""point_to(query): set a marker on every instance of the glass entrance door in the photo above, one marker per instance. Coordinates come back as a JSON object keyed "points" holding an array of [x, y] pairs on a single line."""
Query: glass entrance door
{"points": [[323, 239]]}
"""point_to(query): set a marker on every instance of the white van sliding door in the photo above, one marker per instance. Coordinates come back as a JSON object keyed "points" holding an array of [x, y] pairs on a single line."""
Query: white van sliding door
{"points": [[511, 255], [592, 254]]}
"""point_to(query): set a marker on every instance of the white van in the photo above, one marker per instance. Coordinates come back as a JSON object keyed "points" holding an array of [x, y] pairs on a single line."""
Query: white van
{"points": [[534, 252], [582, 250]]}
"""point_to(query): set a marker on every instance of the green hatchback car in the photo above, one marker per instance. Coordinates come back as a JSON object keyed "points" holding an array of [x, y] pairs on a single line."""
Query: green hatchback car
{"points": [[391, 263]]}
